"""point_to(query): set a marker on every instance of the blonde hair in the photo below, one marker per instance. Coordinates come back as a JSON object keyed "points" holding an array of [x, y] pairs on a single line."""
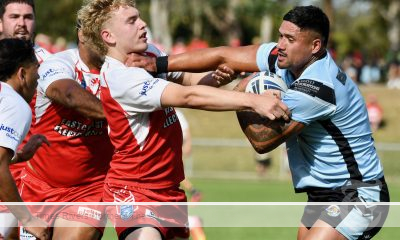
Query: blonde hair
{"points": [[92, 16]]}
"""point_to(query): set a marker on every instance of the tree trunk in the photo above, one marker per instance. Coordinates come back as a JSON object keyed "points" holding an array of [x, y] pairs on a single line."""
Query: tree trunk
{"points": [[159, 12]]}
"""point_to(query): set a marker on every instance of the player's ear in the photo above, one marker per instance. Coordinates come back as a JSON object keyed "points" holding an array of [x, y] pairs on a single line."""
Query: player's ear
{"points": [[316, 45], [107, 36], [21, 75]]}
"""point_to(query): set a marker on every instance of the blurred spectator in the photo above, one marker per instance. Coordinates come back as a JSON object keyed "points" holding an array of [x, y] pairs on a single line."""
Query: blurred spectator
{"points": [[59, 45], [370, 73], [44, 41], [394, 75], [348, 68], [235, 42], [178, 47], [375, 112], [197, 43]]}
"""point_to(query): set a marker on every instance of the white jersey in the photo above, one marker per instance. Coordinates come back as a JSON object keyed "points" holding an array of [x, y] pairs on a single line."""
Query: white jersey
{"points": [[41, 54], [15, 117]]}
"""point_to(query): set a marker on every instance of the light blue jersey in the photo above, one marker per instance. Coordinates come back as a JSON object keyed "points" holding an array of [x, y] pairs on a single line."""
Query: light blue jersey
{"points": [[336, 145]]}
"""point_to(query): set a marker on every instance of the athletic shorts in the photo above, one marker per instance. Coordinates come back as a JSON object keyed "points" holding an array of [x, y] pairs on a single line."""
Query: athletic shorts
{"points": [[355, 217], [170, 220], [16, 170], [34, 189]]}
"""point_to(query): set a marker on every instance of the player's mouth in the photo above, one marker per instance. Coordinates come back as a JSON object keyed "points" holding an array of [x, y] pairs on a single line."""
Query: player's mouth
{"points": [[21, 34], [281, 56], [143, 36]]}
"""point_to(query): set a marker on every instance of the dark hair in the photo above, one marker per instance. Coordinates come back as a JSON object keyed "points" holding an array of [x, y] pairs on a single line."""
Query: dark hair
{"points": [[15, 53], [310, 18], [4, 4]]}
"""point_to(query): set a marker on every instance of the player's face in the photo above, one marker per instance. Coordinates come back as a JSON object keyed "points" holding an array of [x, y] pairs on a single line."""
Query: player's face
{"points": [[295, 47], [18, 21], [128, 30], [30, 81]]}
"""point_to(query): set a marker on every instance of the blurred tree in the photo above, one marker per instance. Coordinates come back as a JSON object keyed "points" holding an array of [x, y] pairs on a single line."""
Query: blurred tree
{"points": [[57, 18]]}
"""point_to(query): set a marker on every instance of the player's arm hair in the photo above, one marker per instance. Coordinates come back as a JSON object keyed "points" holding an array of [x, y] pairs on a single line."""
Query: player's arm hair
{"points": [[71, 95], [8, 189], [264, 134], [240, 59]]}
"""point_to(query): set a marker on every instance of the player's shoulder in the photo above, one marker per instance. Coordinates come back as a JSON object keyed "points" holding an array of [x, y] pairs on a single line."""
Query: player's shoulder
{"points": [[41, 54], [11, 100]]}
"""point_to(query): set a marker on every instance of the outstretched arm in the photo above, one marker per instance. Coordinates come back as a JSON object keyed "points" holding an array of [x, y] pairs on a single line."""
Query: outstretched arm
{"points": [[240, 59], [70, 94], [214, 99]]}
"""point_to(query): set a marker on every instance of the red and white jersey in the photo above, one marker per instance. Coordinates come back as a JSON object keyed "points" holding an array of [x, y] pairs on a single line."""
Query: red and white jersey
{"points": [[15, 117], [80, 149], [147, 138], [41, 54]]}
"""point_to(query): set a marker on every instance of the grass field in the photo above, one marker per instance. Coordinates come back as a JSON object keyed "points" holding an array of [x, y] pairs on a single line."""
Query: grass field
{"points": [[235, 186]]}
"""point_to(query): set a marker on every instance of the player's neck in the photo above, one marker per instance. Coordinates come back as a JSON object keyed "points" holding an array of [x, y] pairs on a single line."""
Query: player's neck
{"points": [[92, 61], [314, 58]]}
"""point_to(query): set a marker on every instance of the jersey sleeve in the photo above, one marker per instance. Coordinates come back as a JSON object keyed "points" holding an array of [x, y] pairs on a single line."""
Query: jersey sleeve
{"points": [[54, 69], [263, 54], [14, 123], [138, 91], [310, 100]]}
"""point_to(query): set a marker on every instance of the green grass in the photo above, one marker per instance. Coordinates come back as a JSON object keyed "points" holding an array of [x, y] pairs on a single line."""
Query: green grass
{"points": [[264, 191]]}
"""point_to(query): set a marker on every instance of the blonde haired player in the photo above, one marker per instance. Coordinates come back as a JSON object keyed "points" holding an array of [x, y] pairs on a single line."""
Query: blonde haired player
{"points": [[144, 129]]}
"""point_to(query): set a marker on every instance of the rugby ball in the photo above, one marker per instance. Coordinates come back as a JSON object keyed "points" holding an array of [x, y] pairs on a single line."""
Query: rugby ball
{"points": [[266, 80]]}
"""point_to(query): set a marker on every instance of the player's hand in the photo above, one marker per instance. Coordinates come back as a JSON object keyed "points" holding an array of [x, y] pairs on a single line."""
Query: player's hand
{"points": [[30, 148], [241, 86], [38, 228], [223, 75], [274, 93], [141, 61], [271, 107]]}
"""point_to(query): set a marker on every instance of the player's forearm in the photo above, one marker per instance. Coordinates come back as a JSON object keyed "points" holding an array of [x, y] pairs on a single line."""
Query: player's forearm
{"points": [[263, 134], [196, 61], [9, 193], [212, 99], [86, 104], [238, 59], [70, 94]]}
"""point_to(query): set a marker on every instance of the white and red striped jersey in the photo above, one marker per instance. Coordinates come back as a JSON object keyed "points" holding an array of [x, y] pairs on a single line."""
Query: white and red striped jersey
{"points": [[80, 149], [147, 137]]}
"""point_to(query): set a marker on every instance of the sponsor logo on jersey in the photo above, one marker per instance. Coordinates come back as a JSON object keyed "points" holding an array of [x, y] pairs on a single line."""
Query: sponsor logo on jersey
{"points": [[51, 72], [126, 212], [72, 128], [150, 214], [89, 212], [147, 86], [171, 117], [10, 132], [333, 210]]}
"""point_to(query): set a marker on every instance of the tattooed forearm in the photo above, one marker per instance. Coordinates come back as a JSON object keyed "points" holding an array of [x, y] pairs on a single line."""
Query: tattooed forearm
{"points": [[263, 134]]}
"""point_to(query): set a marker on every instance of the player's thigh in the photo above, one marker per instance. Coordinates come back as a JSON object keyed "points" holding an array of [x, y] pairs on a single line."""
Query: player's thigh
{"points": [[322, 230], [66, 229], [144, 233]]}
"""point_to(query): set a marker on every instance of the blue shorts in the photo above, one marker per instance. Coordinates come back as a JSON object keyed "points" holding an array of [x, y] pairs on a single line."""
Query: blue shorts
{"points": [[354, 216]]}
